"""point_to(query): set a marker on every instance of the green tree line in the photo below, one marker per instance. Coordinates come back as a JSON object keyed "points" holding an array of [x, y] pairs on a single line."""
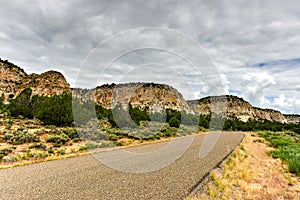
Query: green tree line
{"points": [[59, 110]]}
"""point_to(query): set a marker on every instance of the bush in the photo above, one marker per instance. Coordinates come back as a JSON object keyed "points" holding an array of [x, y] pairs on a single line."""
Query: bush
{"points": [[50, 150], [174, 122], [58, 139], [294, 165], [288, 150], [105, 143], [71, 132], [76, 140], [119, 143], [20, 136], [91, 145], [38, 146], [61, 152], [82, 148], [113, 137], [21, 105], [1, 156], [158, 135], [170, 133], [6, 151], [55, 110]]}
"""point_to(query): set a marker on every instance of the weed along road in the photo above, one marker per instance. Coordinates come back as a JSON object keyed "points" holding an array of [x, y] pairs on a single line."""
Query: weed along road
{"points": [[85, 177]]}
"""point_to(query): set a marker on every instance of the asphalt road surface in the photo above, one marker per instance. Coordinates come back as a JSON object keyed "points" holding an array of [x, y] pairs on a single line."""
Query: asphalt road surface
{"points": [[123, 176]]}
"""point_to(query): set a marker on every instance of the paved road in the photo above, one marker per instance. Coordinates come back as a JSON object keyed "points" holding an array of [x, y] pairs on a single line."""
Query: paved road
{"points": [[86, 178]]}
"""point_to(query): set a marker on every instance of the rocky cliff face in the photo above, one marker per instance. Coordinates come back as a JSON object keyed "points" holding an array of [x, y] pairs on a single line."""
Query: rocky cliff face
{"points": [[156, 97], [292, 118], [10, 77], [14, 80], [234, 106]]}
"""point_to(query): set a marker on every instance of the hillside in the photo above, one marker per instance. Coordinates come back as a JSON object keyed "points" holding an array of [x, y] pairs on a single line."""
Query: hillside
{"points": [[235, 107], [152, 96], [14, 80], [155, 97]]}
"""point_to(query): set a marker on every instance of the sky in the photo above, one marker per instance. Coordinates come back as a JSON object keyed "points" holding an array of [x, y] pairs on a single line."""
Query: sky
{"points": [[244, 48]]}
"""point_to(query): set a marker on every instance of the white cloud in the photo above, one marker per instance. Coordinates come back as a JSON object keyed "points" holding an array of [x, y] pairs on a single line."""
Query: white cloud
{"points": [[254, 84], [39, 36]]}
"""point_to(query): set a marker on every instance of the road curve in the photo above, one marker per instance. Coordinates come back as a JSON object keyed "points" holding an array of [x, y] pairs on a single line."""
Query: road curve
{"points": [[85, 177]]}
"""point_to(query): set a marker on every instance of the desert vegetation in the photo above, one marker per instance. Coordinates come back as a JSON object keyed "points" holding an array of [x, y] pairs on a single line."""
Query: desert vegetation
{"points": [[251, 172], [37, 127], [287, 148]]}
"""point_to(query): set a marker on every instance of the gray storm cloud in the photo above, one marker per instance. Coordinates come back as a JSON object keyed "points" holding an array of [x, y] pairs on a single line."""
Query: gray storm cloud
{"points": [[236, 36]]}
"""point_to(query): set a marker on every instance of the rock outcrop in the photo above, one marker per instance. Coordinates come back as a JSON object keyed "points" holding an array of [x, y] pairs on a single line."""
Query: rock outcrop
{"points": [[10, 77], [292, 118], [155, 97], [14, 80], [152, 96], [234, 106]]}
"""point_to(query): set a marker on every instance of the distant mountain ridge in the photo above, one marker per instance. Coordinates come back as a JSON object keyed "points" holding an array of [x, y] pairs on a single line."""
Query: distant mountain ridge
{"points": [[152, 96], [236, 107]]}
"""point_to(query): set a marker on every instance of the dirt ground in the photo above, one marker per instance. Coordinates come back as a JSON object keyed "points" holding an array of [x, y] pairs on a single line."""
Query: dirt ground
{"points": [[250, 173]]}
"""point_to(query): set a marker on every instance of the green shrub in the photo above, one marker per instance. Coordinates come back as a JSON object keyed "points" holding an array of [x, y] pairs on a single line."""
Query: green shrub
{"points": [[50, 150], [20, 136], [38, 146], [119, 143], [22, 105], [170, 133], [6, 150], [61, 152], [58, 139], [258, 140], [29, 154], [54, 110], [76, 140], [1, 156], [174, 122], [82, 148], [71, 132], [113, 137], [91, 145], [288, 150], [39, 155], [56, 145], [294, 165], [158, 135], [105, 143], [150, 137]]}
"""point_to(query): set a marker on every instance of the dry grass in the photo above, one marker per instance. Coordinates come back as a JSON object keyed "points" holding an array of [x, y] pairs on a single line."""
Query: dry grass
{"points": [[249, 173]]}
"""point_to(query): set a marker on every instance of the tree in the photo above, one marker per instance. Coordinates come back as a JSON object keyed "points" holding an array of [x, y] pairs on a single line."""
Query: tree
{"points": [[55, 110], [21, 105], [2, 102], [174, 122]]}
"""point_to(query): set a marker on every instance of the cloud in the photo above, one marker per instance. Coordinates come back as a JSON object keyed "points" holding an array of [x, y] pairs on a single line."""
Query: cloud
{"points": [[254, 85], [235, 37]]}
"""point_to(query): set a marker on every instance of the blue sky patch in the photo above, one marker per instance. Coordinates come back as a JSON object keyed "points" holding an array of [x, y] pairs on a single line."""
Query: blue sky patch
{"points": [[278, 62]]}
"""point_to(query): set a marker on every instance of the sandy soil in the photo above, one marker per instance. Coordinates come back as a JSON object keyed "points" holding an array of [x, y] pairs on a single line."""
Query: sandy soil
{"points": [[249, 173]]}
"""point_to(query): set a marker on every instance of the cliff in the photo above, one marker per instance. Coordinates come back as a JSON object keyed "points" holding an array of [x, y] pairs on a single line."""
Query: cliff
{"points": [[14, 80], [234, 106], [10, 77], [156, 97], [292, 118]]}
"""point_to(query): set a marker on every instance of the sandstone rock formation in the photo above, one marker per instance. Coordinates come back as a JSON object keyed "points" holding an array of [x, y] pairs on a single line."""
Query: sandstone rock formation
{"points": [[154, 97], [14, 80], [292, 118], [10, 77], [234, 106]]}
